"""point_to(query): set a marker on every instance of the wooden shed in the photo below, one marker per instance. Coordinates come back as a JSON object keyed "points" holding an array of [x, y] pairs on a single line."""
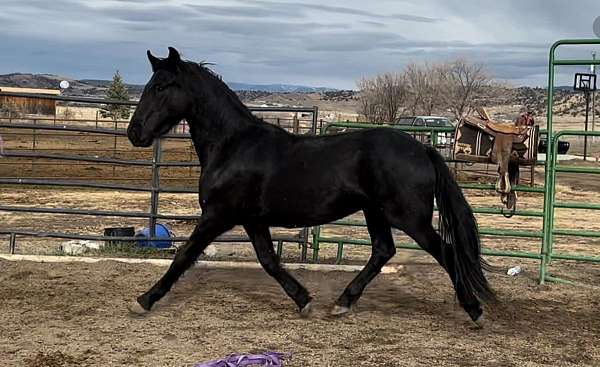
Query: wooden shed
{"points": [[28, 105]]}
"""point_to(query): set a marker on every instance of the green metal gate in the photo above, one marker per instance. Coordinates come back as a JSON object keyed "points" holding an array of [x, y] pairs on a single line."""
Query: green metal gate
{"points": [[546, 234], [552, 167], [433, 132]]}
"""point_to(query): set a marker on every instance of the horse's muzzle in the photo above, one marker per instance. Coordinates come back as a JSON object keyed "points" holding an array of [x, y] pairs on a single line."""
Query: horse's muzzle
{"points": [[133, 133]]}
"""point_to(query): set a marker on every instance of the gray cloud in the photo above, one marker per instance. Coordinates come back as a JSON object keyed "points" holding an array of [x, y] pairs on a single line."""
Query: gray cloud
{"points": [[313, 42], [342, 10], [240, 10]]}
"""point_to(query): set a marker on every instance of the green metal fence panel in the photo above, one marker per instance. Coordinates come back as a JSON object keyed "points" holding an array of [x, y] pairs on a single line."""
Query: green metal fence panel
{"points": [[318, 239], [557, 168], [551, 167]]}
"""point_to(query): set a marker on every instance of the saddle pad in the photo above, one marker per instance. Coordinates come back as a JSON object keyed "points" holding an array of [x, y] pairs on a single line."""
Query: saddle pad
{"points": [[472, 144]]}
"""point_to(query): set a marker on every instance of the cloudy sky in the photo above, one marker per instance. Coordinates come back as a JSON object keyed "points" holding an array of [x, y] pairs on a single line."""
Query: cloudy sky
{"points": [[315, 42]]}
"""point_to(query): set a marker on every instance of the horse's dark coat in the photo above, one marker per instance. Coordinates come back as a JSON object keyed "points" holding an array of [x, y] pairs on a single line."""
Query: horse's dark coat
{"points": [[258, 175]]}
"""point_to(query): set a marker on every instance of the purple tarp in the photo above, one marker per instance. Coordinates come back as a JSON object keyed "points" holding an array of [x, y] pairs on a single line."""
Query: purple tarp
{"points": [[268, 359]]}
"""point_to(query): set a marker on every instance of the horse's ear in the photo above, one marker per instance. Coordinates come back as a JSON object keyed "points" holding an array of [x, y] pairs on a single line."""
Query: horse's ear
{"points": [[153, 60], [173, 55]]}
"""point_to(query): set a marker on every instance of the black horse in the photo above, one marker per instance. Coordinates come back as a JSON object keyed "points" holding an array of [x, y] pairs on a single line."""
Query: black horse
{"points": [[258, 175]]}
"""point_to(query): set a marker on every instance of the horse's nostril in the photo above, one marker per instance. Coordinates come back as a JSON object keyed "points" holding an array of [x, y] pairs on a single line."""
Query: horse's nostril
{"points": [[132, 133]]}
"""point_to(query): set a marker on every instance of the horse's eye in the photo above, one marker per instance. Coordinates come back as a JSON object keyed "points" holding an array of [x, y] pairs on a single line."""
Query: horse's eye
{"points": [[160, 88]]}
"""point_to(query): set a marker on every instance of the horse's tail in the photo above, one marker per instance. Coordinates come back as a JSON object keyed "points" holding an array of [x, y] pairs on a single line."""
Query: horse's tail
{"points": [[458, 229]]}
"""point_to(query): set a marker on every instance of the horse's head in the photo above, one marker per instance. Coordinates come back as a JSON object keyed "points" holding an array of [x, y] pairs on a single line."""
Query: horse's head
{"points": [[164, 101]]}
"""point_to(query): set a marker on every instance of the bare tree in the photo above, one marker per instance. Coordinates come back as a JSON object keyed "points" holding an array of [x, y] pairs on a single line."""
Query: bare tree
{"points": [[382, 97], [433, 96], [417, 81], [423, 89], [369, 105], [462, 81]]}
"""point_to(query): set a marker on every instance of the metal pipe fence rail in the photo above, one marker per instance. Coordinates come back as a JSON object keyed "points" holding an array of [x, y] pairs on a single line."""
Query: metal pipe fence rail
{"points": [[433, 134], [155, 187], [551, 165], [41, 140], [546, 253], [546, 234]]}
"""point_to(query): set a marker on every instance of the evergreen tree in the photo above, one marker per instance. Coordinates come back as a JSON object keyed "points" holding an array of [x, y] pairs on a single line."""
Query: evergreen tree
{"points": [[117, 91]]}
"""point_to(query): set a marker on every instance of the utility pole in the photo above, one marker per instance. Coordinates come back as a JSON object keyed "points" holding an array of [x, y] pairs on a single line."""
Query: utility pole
{"points": [[593, 71], [585, 83]]}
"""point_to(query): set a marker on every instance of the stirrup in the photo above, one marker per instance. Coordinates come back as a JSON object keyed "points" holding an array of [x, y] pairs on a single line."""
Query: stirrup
{"points": [[510, 202], [507, 186]]}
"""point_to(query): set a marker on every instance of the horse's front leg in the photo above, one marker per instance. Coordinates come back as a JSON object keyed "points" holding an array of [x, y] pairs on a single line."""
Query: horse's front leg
{"points": [[263, 245], [207, 229]]}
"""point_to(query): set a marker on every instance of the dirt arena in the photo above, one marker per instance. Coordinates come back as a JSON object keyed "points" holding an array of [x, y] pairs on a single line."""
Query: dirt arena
{"points": [[75, 315]]}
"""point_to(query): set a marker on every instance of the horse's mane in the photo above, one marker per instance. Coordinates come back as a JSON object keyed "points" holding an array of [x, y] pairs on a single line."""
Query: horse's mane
{"points": [[201, 69]]}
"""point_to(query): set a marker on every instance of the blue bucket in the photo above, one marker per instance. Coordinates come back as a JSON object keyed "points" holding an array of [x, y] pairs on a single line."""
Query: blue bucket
{"points": [[161, 231]]}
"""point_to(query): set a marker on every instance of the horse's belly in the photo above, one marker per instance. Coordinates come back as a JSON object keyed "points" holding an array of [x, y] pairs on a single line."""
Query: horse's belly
{"points": [[303, 211]]}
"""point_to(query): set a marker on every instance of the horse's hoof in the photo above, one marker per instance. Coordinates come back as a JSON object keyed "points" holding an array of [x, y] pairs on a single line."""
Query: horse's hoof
{"points": [[306, 310], [136, 309], [339, 310], [480, 323]]}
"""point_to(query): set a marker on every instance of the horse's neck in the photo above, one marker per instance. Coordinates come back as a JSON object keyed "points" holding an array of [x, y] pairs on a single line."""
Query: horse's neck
{"points": [[216, 123]]}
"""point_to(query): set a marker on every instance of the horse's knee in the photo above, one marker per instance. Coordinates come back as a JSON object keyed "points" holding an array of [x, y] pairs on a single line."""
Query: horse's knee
{"points": [[384, 252], [270, 266]]}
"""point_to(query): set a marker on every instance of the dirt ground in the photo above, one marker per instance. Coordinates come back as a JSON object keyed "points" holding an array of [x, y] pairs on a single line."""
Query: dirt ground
{"points": [[75, 315]]}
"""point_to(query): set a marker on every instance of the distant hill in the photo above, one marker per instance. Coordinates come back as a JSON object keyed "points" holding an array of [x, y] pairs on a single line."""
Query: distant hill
{"points": [[46, 81], [278, 88], [566, 101], [98, 87]]}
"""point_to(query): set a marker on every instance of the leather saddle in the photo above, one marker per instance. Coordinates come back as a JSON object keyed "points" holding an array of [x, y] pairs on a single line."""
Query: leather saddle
{"points": [[508, 148]]}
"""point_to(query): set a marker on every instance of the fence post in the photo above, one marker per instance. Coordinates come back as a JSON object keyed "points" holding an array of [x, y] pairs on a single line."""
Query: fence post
{"points": [[316, 237], [548, 184], [156, 157], [115, 148], [315, 118], [12, 245], [295, 123], [191, 150], [33, 148], [304, 236]]}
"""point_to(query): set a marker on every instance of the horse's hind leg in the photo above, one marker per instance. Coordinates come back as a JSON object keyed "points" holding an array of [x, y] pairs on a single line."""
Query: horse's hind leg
{"points": [[383, 249], [263, 245], [207, 229]]}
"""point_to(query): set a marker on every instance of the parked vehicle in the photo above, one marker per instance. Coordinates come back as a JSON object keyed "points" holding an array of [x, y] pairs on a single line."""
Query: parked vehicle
{"points": [[563, 146], [444, 139]]}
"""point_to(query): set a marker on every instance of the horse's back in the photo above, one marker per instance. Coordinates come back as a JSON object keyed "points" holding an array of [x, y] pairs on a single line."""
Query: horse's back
{"points": [[322, 178]]}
